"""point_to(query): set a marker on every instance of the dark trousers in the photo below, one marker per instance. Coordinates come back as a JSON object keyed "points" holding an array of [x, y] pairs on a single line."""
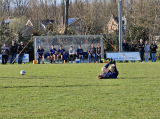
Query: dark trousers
{"points": [[141, 52], [20, 58], [71, 56], [4, 59], [13, 56], [98, 58]]}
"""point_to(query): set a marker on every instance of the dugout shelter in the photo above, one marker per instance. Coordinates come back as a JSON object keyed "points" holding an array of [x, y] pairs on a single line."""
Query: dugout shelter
{"points": [[66, 41]]}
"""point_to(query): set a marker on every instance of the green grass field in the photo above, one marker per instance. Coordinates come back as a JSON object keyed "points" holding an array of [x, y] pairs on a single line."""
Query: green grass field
{"points": [[72, 91]]}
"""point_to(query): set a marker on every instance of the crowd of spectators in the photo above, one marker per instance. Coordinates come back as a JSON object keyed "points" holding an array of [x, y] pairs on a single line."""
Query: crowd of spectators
{"points": [[144, 49], [12, 52], [54, 55]]}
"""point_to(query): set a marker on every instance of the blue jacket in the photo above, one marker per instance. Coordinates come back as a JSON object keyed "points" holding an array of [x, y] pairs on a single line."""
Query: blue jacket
{"points": [[110, 74]]}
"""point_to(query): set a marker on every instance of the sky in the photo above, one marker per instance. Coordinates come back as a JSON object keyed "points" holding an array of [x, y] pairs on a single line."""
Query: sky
{"points": [[58, 2]]}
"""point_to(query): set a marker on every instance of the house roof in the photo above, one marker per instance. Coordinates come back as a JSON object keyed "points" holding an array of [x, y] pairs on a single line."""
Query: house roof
{"points": [[71, 20], [7, 21], [116, 19], [46, 22]]}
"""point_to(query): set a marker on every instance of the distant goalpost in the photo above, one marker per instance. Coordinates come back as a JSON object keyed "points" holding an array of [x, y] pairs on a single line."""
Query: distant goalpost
{"points": [[66, 41]]}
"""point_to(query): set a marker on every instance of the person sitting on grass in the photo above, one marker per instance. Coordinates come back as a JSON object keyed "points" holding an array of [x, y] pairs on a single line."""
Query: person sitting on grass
{"points": [[52, 54], [79, 52], [71, 54], [110, 73], [60, 53], [40, 54]]}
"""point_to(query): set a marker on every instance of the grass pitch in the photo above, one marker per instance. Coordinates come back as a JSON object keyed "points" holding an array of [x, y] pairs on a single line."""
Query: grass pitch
{"points": [[72, 91]]}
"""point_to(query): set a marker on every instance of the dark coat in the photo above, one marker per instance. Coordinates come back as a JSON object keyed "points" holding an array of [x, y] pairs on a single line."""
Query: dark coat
{"points": [[125, 47], [132, 47], [92, 50], [153, 48]]}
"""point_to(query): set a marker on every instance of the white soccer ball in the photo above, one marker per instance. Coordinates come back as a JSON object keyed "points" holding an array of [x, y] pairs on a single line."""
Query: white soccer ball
{"points": [[22, 72]]}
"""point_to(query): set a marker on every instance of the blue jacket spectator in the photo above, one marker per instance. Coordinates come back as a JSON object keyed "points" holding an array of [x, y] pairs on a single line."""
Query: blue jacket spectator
{"points": [[60, 54], [53, 54], [40, 54], [79, 52]]}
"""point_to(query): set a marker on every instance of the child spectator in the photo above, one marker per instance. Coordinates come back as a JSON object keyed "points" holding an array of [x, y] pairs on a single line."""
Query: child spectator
{"points": [[71, 54], [60, 53], [40, 54], [52, 54], [79, 52]]}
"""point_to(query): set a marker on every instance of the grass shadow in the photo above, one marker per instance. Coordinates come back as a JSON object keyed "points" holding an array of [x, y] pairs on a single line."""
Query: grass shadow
{"points": [[60, 86]]}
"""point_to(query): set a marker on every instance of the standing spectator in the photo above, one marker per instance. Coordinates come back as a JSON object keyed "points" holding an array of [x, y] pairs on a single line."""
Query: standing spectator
{"points": [[40, 54], [71, 54], [20, 48], [79, 52], [98, 53], [125, 46], [141, 49], [146, 51], [153, 51], [5, 53], [61, 52], [132, 47], [92, 52], [13, 51]]}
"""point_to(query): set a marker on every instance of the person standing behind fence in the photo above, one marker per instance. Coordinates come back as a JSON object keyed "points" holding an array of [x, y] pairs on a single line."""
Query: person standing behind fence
{"points": [[20, 48], [72, 54], [141, 49], [153, 51], [5, 53], [146, 52], [79, 52], [125, 46], [132, 49], [98, 53], [13, 51], [92, 52]]}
